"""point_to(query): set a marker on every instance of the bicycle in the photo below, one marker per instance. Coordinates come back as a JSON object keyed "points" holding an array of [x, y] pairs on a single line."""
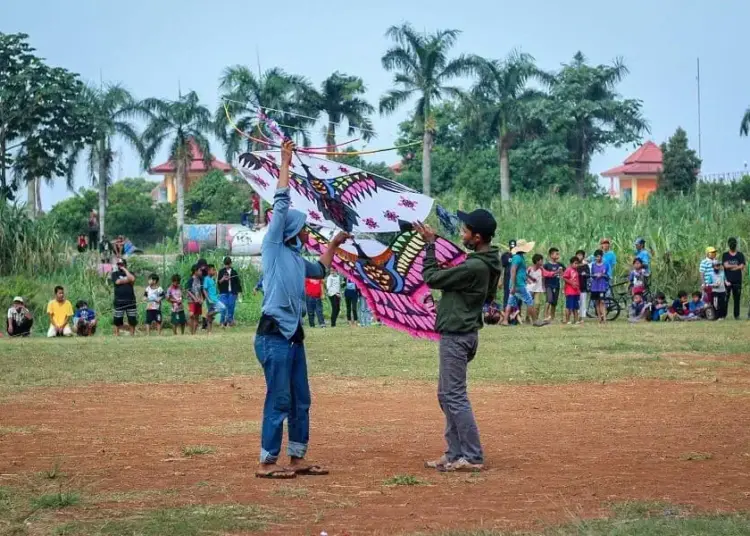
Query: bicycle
{"points": [[617, 299]]}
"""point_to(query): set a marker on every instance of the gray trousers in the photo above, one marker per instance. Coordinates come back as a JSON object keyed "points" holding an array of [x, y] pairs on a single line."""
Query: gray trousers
{"points": [[461, 432]]}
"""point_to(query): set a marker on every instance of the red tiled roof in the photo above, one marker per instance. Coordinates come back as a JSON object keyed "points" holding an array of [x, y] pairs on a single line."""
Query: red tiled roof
{"points": [[197, 165], [647, 160]]}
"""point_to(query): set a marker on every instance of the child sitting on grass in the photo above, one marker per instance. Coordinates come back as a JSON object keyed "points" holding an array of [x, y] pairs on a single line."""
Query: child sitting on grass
{"points": [[638, 310], [84, 320], [660, 309], [698, 305], [680, 308], [572, 292]]}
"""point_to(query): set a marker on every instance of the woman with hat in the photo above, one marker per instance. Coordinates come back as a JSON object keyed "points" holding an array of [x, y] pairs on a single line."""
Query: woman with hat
{"points": [[518, 292]]}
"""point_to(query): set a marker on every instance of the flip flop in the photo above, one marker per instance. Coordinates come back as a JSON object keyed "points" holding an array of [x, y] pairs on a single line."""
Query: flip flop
{"points": [[277, 474], [310, 470]]}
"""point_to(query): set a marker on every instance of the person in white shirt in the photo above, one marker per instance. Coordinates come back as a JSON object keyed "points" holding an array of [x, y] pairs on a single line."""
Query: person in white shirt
{"points": [[535, 283], [333, 289]]}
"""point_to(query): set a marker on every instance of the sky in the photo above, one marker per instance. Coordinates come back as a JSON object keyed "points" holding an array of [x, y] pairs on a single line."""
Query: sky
{"points": [[155, 47]]}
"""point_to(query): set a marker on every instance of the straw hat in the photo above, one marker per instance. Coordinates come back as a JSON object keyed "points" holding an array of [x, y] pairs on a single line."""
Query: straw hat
{"points": [[522, 246]]}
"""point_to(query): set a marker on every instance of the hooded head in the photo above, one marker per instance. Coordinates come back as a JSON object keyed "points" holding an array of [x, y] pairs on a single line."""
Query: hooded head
{"points": [[293, 229]]}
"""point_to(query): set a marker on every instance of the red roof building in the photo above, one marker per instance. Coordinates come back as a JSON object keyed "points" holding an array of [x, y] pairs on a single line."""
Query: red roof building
{"points": [[637, 177], [196, 171]]}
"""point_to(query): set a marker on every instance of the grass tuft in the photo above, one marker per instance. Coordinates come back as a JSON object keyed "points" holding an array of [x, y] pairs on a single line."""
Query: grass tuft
{"points": [[291, 492], [56, 501], [404, 480], [197, 450]]}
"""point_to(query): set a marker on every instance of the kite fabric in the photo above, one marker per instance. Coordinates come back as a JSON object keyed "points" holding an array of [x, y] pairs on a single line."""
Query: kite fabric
{"points": [[390, 277], [334, 195], [448, 220]]}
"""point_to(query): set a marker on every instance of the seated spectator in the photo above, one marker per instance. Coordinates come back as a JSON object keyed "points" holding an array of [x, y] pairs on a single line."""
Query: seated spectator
{"points": [[660, 309], [84, 320], [638, 310], [698, 305], [60, 312], [680, 308], [19, 319]]}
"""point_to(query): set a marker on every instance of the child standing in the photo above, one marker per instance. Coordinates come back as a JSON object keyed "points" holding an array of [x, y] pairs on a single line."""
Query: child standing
{"points": [[599, 285], [211, 294], [552, 271], [174, 297], [535, 283], [719, 285], [584, 278], [153, 295], [195, 298], [637, 277], [572, 292], [365, 316], [351, 295]]}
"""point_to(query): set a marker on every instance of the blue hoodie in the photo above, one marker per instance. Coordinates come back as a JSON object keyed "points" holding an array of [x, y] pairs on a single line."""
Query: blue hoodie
{"points": [[284, 269]]}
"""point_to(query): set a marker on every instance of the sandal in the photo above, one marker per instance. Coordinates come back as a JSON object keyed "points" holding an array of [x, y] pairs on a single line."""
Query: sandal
{"points": [[310, 470], [276, 474]]}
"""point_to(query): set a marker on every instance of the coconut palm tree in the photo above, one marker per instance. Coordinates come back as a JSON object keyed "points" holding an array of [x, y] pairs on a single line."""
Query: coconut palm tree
{"points": [[181, 125], [244, 92], [422, 69], [500, 101], [745, 126], [112, 109], [340, 99]]}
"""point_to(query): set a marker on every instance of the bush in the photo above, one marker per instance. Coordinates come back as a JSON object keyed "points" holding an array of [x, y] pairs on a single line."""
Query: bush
{"points": [[26, 245]]}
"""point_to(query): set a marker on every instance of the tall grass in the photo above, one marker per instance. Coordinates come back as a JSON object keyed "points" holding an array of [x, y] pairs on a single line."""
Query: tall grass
{"points": [[26, 245], [677, 231]]}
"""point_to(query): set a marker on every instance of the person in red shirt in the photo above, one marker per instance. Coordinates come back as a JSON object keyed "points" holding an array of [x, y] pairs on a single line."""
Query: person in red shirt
{"points": [[572, 291], [314, 296]]}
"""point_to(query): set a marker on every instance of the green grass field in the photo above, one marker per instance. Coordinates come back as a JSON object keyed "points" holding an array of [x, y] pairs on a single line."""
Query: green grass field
{"points": [[551, 355]]}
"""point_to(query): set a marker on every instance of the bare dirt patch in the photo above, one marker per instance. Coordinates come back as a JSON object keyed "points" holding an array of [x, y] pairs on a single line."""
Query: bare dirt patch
{"points": [[553, 451]]}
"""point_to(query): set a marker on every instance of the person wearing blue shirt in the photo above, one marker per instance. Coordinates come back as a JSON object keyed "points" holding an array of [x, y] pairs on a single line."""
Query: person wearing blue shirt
{"points": [[608, 258], [84, 320], [642, 253], [279, 341]]}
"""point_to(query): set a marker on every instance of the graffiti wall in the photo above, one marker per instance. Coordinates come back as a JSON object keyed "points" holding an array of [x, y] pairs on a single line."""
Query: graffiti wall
{"points": [[234, 238]]}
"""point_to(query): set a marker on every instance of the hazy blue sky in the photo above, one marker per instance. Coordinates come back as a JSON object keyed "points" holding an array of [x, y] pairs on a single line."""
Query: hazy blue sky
{"points": [[152, 45]]}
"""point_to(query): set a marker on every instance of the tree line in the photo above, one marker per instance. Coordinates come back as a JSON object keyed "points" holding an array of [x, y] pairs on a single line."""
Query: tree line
{"points": [[516, 120]]}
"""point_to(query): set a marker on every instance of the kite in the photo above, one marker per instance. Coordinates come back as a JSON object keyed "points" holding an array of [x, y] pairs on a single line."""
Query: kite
{"points": [[390, 277], [334, 195], [448, 220]]}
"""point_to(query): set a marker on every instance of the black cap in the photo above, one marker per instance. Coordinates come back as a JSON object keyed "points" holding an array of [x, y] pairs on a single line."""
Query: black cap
{"points": [[480, 221]]}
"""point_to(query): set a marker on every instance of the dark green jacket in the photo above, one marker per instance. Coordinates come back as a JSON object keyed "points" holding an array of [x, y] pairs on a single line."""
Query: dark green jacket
{"points": [[466, 288]]}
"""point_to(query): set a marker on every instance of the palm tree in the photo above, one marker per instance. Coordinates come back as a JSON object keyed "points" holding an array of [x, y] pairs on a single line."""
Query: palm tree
{"points": [[745, 126], [500, 100], [112, 109], [340, 99], [181, 124], [422, 69], [244, 92]]}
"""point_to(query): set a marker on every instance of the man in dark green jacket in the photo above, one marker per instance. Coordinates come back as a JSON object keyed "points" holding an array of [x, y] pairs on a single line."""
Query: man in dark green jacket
{"points": [[466, 288]]}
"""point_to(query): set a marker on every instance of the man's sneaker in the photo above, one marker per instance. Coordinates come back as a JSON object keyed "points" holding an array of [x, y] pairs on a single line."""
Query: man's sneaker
{"points": [[437, 464], [462, 466]]}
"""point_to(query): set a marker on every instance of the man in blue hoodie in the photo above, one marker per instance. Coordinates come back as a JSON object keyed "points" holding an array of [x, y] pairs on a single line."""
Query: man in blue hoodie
{"points": [[279, 340]]}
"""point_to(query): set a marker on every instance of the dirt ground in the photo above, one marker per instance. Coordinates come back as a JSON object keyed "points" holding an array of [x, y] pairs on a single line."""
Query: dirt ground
{"points": [[554, 452]]}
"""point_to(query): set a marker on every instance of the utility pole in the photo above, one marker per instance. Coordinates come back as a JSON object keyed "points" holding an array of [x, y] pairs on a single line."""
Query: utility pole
{"points": [[698, 79]]}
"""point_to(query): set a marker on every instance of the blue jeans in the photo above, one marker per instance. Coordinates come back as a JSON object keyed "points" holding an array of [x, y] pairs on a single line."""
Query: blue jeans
{"points": [[227, 315], [315, 307], [287, 396], [365, 317]]}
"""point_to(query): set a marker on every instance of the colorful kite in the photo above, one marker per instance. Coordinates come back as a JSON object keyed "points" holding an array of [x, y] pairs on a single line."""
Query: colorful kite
{"points": [[390, 277], [334, 195]]}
